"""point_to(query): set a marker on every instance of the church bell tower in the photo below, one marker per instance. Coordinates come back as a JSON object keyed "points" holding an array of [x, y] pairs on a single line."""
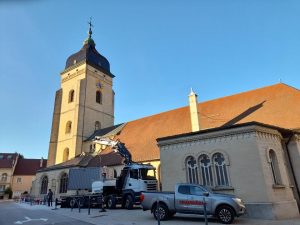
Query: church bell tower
{"points": [[83, 104]]}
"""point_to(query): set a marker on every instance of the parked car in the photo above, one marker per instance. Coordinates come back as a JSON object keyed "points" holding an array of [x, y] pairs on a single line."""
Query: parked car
{"points": [[190, 199]]}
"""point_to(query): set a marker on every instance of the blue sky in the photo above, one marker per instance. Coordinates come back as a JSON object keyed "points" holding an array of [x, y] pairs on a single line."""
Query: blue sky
{"points": [[158, 50]]}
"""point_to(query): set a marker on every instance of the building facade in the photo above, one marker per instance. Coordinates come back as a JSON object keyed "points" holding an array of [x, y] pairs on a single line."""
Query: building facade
{"points": [[8, 163]]}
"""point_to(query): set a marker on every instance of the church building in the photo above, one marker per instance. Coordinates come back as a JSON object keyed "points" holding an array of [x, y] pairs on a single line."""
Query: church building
{"points": [[246, 144]]}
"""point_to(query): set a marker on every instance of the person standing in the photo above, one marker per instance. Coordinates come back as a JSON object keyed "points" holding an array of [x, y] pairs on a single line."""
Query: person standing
{"points": [[50, 197]]}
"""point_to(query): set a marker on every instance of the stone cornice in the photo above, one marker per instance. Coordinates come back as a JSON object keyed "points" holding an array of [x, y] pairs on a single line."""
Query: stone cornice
{"points": [[72, 67], [87, 63], [223, 136]]}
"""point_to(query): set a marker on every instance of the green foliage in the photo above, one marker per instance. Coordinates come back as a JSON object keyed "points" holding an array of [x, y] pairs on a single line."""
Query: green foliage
{"points": [[8, 191]]}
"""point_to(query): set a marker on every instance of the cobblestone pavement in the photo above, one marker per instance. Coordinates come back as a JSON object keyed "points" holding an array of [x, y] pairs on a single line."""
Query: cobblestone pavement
{"points": [[139, 217]]}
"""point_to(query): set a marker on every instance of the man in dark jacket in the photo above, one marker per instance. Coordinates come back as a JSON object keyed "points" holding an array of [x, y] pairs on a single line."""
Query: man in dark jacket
{"points": [[50, 197]]}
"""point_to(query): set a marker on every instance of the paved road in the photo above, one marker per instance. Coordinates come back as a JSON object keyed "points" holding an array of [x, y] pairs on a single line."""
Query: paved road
{"points": [[12, 213]]}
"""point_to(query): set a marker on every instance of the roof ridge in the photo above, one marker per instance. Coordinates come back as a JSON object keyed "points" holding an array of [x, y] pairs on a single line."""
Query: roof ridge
{"points": [[251, 91]]}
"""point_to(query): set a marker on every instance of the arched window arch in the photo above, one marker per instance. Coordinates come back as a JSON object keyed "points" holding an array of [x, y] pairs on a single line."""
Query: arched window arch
{"points": [[71, 96], [99, 97], [66, 154], [115, 174], [205, 170], [275, 167], [192, 170], [63, 183], [44, 185], [4, 177], [68, 127], [97, 125], [220, 169]]}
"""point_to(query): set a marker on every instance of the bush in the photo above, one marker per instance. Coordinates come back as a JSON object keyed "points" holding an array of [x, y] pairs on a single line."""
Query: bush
{"points": [[8, 191]]}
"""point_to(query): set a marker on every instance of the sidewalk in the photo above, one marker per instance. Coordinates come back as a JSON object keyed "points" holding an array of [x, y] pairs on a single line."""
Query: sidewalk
{"points": [[139, 217]]}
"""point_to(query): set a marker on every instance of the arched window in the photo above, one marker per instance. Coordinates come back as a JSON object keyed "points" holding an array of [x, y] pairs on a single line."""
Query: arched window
{"points": [[99, 97], [220, 170], [205, 170], [275, 167], [66, 154], [63, 183], [68, 127], [192, 170], [71, 96], [44, 185], [4, 177], [97, 125]]}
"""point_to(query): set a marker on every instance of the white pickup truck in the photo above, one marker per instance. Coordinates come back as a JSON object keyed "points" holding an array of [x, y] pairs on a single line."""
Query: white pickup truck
{"points": [[190, 199]]}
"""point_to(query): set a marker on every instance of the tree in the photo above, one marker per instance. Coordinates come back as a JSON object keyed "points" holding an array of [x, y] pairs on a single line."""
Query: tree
{"points": [[8, 192]]}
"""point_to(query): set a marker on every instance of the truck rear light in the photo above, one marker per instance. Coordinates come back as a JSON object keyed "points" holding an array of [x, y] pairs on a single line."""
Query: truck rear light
{"points": [[142, 197]]}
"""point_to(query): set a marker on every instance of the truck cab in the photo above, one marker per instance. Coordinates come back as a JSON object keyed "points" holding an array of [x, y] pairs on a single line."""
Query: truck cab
{"points": [[137, 177]]}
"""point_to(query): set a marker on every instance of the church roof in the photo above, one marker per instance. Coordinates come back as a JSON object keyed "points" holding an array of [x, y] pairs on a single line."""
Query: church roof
{"points": [[106, 158], [275, 105]]}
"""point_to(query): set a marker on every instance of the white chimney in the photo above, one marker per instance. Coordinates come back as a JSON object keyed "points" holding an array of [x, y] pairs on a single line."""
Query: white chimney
{"points": [[41, 162], [194, 113]]}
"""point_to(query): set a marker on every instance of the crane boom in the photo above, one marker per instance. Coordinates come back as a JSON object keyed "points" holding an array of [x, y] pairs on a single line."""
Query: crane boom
{"points": [[117, 146]]}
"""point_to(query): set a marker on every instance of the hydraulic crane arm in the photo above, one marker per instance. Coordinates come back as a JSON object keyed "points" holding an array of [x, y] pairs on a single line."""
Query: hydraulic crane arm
{"points": [[117, 146]]}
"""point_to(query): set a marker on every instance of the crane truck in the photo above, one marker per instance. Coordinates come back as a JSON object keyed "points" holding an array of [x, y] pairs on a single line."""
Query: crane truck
{"points": [[134, 178], [124, 190]]}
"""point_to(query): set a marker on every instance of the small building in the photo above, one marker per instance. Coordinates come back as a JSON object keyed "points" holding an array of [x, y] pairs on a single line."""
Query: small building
{"points": [[24, 175]]}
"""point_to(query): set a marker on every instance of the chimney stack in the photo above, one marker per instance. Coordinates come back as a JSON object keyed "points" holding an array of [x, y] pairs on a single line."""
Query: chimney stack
{"points": [[41, 162], [194, 113]]}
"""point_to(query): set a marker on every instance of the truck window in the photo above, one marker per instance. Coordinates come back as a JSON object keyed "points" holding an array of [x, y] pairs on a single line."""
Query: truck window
{"points": [[184, 189], [134, 174], [147, 174], [196, 190]]}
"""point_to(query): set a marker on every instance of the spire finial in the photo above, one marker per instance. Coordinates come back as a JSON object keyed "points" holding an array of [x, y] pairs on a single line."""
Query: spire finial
{"points": [[89, 39], [90, 28]]}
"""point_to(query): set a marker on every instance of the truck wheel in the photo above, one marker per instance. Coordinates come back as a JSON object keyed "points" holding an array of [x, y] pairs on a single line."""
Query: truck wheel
{"points": [[111, 202], [225, 214], [128, 202], [163, 212]]}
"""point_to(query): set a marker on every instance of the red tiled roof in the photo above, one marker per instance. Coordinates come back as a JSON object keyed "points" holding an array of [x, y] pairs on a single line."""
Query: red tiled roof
{"points": [[275, 105], [29, 166], [7, 160]]}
